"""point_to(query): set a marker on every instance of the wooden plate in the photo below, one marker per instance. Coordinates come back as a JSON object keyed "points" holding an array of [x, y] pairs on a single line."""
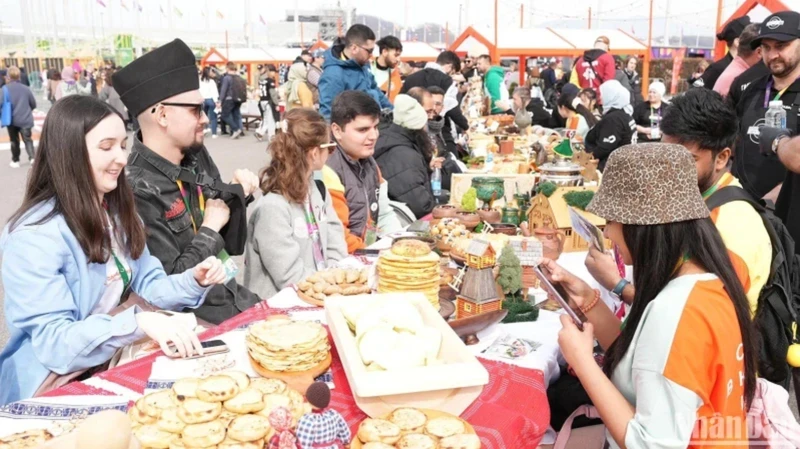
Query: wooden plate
{"points": [[310, 300], [299, 380], [468, 328], [431, 414]]}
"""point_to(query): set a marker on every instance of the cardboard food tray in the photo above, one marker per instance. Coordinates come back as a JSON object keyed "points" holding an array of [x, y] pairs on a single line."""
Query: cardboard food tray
{"points": [[450, 387]]}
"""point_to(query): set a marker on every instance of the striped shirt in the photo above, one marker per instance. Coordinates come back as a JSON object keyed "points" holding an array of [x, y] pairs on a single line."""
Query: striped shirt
{"points": [[684, 370]]}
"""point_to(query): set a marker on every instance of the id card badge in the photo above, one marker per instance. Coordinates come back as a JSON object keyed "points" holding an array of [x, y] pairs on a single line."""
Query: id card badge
{"points": [[231, 269]]}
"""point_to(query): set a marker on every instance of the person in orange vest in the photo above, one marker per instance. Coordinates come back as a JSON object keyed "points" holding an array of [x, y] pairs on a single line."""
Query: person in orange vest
{"points": [[383, 67]]}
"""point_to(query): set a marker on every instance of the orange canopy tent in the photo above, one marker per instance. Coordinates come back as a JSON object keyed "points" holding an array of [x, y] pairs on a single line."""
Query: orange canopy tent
{"points": [[771, 5], [546, 42]]}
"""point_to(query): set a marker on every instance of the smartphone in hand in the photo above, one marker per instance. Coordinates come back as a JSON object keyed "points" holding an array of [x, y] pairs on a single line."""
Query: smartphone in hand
{"points": [[557, 292], [211, 347]]}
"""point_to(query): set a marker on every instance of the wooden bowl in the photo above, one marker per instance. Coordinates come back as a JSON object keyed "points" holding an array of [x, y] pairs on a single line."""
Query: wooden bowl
{"points": [[468, 328], [503, 228], [489, 215], [468, 219], [444, 211]]}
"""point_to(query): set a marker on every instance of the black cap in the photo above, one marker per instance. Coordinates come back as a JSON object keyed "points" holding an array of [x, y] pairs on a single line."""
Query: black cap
{"points": [[733, 29], [783, 26], [167, 71], [305, 53]]}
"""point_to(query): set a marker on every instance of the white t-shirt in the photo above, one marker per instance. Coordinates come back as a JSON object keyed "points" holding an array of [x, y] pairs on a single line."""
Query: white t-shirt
{"points": [[113, 284]]}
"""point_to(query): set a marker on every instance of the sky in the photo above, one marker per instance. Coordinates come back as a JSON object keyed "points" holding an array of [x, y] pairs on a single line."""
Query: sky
{"points": [[691, 15]]}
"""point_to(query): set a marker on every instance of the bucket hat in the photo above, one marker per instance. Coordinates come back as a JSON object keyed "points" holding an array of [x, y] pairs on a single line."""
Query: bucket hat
{"points": [[649, 184]]}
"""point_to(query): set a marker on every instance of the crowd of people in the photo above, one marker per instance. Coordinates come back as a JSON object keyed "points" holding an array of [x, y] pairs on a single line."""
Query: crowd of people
{"points": [[353, 153]]}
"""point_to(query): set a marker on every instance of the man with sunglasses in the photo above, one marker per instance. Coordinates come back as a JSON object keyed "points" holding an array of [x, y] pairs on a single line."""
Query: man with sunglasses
{"points": [[347, 67], [190, 214]]}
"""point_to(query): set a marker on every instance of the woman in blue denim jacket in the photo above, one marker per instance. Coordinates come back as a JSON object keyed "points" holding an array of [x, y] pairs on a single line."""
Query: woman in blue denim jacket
{"points": [[71, 252]]}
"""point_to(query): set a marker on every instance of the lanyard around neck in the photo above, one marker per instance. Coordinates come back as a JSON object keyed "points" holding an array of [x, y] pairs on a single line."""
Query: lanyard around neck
{"points": [[123, 273], [187, 203], [769, 90]]}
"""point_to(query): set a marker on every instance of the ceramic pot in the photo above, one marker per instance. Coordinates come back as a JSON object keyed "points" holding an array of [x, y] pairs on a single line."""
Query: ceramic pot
{"points": [[444, 211], [510, 216], [487, 186], [468, 219], [503, 228], [489, 215], [552, 242]]}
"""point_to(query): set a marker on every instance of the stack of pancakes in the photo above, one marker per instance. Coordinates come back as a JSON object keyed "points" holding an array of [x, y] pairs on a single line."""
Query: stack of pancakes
{"points": [[287, 345], [410, 266]]}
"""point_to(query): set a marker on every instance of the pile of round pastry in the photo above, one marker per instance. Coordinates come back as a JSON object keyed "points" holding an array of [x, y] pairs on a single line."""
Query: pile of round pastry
{"points": [[410, 266], [225, 411], [335, 282], [286, 345], [413, 428]]}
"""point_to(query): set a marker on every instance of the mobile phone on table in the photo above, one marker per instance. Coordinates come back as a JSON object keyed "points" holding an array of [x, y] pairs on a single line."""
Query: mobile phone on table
{"points": [[367, 252], [557, 292], [211, 347]]}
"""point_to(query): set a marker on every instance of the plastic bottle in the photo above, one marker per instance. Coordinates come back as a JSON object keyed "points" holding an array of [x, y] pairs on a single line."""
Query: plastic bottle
{"points": [[776, 115], [655, 131], [436, 182]]}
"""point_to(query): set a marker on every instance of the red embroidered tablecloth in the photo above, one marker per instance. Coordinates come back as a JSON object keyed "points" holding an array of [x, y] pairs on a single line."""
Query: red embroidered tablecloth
{"points": [[511, 413]]}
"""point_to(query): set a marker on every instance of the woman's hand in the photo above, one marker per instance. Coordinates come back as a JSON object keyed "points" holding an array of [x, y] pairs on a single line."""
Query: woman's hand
{"points": [[579, 293], [166, 331], [209, 272], [603, 268], [437, 163], [577, 346]]}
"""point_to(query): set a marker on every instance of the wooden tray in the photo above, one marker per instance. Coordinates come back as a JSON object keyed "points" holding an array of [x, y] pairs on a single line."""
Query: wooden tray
{"points": [[468, 328], [450, 387], [431, 414], [310, 300], [300, 380]]}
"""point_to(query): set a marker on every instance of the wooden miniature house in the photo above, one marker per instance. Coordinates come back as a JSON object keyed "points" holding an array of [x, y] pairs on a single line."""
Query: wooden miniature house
{"points": [[528, 251], [553, 213], [478, 293], [480, 254]]}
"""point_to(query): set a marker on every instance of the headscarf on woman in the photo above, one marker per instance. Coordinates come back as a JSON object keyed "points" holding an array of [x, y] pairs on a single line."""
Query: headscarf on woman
{"points": [[615, 96], [68, 75], [298, 73], [659, 87]]}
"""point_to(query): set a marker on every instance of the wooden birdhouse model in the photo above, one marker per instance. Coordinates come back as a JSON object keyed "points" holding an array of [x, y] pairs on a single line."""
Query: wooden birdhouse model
{"points": [[478, 293], [553, 213], [529, 251]]}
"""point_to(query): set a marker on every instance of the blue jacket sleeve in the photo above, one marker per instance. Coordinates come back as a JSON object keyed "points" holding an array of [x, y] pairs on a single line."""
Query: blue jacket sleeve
{"points": [[330, 85], [173, 292], [39, 302]]}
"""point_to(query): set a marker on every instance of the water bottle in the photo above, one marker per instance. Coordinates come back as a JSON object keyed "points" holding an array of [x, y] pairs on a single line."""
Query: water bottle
{"points": [[776, 115], [655, 131], [436, 182]]}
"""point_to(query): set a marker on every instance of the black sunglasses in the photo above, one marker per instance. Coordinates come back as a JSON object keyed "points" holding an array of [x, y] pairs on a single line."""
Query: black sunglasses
{"points": [[197, 108]]}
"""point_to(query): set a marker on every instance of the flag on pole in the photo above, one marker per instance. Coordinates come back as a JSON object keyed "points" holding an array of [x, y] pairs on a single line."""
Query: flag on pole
{"points": [[137, 5], [124, 6], [261, 18], [177, 12], [101, 3], [220, 15]]}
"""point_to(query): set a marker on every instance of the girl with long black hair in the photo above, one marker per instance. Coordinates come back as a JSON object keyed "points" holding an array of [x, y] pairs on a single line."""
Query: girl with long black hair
{"points": [[684, 359]]}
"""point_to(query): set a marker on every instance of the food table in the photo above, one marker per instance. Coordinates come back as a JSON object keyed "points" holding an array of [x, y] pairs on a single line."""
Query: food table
{"points": [[511, 411]]}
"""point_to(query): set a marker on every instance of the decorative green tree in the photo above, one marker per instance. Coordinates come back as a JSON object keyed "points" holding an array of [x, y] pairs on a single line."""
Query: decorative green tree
{"points": [[510, 280], [469, 202], [579, 199], [510, 276], [546, 188]]}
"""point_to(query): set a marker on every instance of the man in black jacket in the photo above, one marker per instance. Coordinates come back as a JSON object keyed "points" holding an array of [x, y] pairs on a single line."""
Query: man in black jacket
{"points": [[189, 213], [439, 74], [730, 34]]}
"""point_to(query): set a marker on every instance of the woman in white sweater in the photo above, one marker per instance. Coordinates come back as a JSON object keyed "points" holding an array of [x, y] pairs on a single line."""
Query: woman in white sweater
{"points": [[210, 93], [293, 230]]}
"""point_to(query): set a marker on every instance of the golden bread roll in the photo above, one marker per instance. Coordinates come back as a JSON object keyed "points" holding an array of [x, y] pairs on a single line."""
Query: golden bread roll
{"points": [[217, 388], [152, 437], [136, 415], [195, 411], [249, 428], [242, 379], [378, 430], [204, 434], [268, 386], [247, 401], [417, 441], [170, 421], [186, 387], [445, 426], [408, 419], [462, 441], [154, 403]]}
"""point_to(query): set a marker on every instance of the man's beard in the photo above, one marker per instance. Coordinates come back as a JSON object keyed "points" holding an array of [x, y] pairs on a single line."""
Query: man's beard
{"points": [[193, 148], [787, 68]]}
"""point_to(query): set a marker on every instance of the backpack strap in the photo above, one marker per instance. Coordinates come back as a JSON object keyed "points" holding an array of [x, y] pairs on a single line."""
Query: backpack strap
{"points": [[323, 191]]}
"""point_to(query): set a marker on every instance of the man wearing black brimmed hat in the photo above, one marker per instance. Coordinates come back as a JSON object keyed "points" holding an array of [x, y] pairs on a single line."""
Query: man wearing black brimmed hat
{"points": [[190, 214], [729, 34], [779, 38]]}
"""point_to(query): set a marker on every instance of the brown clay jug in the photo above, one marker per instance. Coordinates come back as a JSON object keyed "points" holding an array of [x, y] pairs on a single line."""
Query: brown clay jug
{"points": [[552, 242]]}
